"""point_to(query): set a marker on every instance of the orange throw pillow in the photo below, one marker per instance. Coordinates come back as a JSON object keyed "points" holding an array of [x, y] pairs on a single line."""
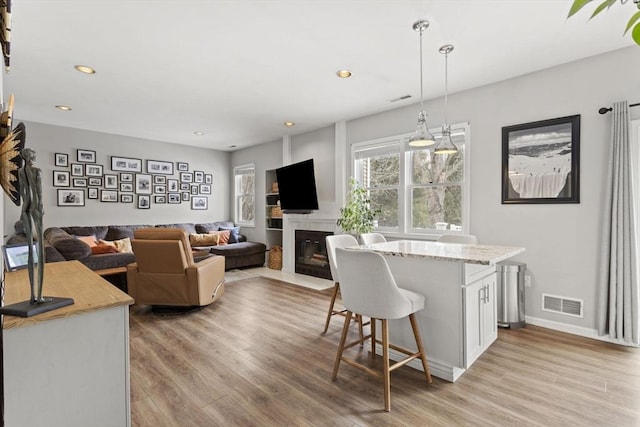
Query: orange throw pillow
{"points": [[223, 237], [89, 240], [100, 249]]}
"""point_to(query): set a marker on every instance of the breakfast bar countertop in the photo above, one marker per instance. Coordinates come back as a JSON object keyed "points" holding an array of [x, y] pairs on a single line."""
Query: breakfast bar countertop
{"points": [[452, 252]]}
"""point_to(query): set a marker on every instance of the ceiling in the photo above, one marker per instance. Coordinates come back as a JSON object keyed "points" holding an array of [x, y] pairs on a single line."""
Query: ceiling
{"points": [[237, 69]]}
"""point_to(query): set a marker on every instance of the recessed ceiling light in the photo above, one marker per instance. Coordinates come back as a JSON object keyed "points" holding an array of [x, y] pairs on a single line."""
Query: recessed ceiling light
{"points": [[84, 69], [199, 133], [289, 124], [343, 74], [63, 107]]}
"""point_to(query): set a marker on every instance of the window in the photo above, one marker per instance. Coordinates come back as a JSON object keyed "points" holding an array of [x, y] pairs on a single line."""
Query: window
{"points": [[415, 190], [245, 195]]}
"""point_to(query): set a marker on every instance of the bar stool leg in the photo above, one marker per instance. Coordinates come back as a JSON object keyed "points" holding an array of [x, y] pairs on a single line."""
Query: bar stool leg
{"points": [[373, 338], [343, 338], [336, 287], [360, 329], [423, 356], [386, 375]]}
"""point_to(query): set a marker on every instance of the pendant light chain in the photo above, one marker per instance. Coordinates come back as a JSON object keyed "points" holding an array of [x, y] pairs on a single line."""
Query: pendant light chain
{"points": [[421, 93], [446, 87]]}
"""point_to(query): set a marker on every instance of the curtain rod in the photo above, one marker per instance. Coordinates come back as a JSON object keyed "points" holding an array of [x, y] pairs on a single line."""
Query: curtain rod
{"points": [[605, 110]]}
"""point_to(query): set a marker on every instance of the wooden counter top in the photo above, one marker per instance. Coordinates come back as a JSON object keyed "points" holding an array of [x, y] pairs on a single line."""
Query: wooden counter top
{"points": [[69, 279], [452, 252]]}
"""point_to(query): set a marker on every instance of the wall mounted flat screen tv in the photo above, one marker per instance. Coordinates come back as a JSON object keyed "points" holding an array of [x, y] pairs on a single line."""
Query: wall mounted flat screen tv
{"points": [[297, 187]]}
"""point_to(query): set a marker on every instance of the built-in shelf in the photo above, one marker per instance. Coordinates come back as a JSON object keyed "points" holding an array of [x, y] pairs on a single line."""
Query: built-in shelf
{"points": [[273, 214]]}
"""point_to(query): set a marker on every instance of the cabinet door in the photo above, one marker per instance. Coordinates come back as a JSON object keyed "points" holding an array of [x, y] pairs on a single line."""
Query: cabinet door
{"points": [[473, 301], [489, 312]]}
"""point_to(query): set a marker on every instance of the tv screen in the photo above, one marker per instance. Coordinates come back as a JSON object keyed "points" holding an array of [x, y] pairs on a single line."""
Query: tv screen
{"points": [[297, 187]]}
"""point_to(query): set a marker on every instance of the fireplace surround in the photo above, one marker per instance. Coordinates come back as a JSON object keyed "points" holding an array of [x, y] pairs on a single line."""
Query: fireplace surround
{"points": [[311, 253]]}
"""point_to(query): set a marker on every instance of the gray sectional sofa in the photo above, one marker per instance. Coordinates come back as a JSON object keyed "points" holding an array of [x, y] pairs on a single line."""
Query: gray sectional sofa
{"points": [[61, 245]]}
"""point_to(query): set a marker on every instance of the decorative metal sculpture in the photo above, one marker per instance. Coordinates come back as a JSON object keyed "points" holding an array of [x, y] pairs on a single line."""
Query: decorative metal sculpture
{"points": [[30, 180]]}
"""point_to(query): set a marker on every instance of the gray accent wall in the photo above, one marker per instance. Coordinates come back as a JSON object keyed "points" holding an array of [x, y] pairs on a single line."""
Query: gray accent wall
{"points": [[47, 140]]}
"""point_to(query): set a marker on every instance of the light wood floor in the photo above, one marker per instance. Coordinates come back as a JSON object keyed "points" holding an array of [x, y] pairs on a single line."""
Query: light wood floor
{"points": [[257, 357]]}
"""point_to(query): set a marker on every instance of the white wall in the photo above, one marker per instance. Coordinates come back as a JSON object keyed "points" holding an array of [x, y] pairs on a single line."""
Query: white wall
{"points": [[264, 157], [47, 140], [561, 241]]}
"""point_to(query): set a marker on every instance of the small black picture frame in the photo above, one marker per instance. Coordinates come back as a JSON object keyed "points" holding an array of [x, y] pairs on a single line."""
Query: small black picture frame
{"points": [[144, 201], [61, 179], [85, 156], [541, 161], [182, 166], [61, 160]]}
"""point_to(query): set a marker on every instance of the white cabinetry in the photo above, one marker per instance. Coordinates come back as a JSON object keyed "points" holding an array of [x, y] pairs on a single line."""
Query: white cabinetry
{"points": [[479, 316]]}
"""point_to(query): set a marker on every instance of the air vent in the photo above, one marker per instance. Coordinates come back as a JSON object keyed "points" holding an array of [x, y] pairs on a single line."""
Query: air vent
{"points": [[402, 98], [562, 305]]}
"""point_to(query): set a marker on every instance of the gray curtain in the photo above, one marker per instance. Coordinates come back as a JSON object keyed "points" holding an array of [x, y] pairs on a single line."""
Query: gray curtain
{"points": [[618, 300]]}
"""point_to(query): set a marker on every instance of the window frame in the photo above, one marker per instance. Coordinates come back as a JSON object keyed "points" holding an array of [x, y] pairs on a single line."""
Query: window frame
{"points": [[404, 229], [238, 172]]}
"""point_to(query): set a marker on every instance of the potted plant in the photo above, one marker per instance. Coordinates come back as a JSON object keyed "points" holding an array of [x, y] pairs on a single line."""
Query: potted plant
{"points": [[357, 216]]}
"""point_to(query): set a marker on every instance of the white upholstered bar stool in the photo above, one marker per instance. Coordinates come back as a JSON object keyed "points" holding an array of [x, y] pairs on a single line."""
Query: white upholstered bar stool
{"points": [[458, 238], [371, 238], [369, 289], [334, 242]]}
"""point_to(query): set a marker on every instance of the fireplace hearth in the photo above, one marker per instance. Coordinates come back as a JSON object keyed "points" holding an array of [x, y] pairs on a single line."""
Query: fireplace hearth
{"points": [[311, 253]]}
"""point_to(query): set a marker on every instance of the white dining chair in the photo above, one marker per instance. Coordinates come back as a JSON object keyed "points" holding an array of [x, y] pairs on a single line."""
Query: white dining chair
{"points": [[334, 242], [371, 238], [369, 289], [458, 238]]}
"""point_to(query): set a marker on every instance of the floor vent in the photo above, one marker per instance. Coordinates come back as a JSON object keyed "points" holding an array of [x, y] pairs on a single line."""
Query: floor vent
{"points": [[562, 305]]}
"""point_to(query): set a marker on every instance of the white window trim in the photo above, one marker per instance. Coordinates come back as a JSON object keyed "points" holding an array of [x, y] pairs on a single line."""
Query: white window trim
{"points": [[403, 212], [237, 170]]}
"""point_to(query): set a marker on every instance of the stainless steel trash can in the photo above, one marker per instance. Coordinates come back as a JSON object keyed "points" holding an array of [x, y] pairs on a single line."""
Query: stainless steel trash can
{"points": [[511, 294]]}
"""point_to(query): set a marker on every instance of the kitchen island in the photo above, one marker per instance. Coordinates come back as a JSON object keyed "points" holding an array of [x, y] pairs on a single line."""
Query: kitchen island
{"points": [[459, 320]]}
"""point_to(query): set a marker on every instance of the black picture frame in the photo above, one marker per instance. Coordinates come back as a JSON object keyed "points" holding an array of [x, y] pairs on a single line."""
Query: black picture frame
{"points": [[199, 203], [126, 198], [541, 161], [111, 181], [198, 177], [126, 177], [144, 201], [95, 181], [126, 164], [71, 197], [85, 156], [79, 182], [92, 193], [93, 170], [159, 167], [109, 196], [77, 169], [182, 166], [61, 160], [61, 179], [208, 178]]}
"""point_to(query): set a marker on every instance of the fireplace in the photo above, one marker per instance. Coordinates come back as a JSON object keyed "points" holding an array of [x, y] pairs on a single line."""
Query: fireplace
{"points": [[311, 253]]}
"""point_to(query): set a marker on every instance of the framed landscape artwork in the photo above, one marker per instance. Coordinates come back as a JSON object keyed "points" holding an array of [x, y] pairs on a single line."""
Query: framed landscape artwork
{"points": [[541, 161], [156, 166]]}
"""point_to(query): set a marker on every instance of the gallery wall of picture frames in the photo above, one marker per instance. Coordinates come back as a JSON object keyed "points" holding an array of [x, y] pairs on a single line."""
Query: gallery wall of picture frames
{"points": [[141, 183]]}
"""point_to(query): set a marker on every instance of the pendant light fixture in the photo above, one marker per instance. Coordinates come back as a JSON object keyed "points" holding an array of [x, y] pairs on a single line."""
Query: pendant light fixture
{"points": [[446, 146], [422, 137]]}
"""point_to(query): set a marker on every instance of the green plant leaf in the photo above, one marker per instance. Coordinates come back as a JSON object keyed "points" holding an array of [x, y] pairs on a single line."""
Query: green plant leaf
{"points": [[632, 21], [576, 6], [635, 34], [606, 4]]}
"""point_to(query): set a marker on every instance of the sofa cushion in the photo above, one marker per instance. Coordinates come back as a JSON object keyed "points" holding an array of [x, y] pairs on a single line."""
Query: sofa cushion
{"points": [[101, 248], [240, 249], [186, 226], [100, 262], [89, 240], [68, 246], [118, 232], [203, 239], [99, 231], [122, 245], [234, 236], [206, 227]]}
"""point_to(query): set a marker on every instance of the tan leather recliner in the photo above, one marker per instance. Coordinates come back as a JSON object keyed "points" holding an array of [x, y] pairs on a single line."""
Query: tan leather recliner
{"points": [[165, 273]]}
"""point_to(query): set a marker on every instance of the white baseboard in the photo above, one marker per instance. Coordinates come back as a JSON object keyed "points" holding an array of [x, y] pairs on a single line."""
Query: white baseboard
{"points": [[574, 330]]}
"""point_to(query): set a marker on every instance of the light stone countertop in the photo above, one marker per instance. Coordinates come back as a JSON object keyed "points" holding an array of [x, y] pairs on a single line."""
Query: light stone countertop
{"points": [[452, 252]]}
